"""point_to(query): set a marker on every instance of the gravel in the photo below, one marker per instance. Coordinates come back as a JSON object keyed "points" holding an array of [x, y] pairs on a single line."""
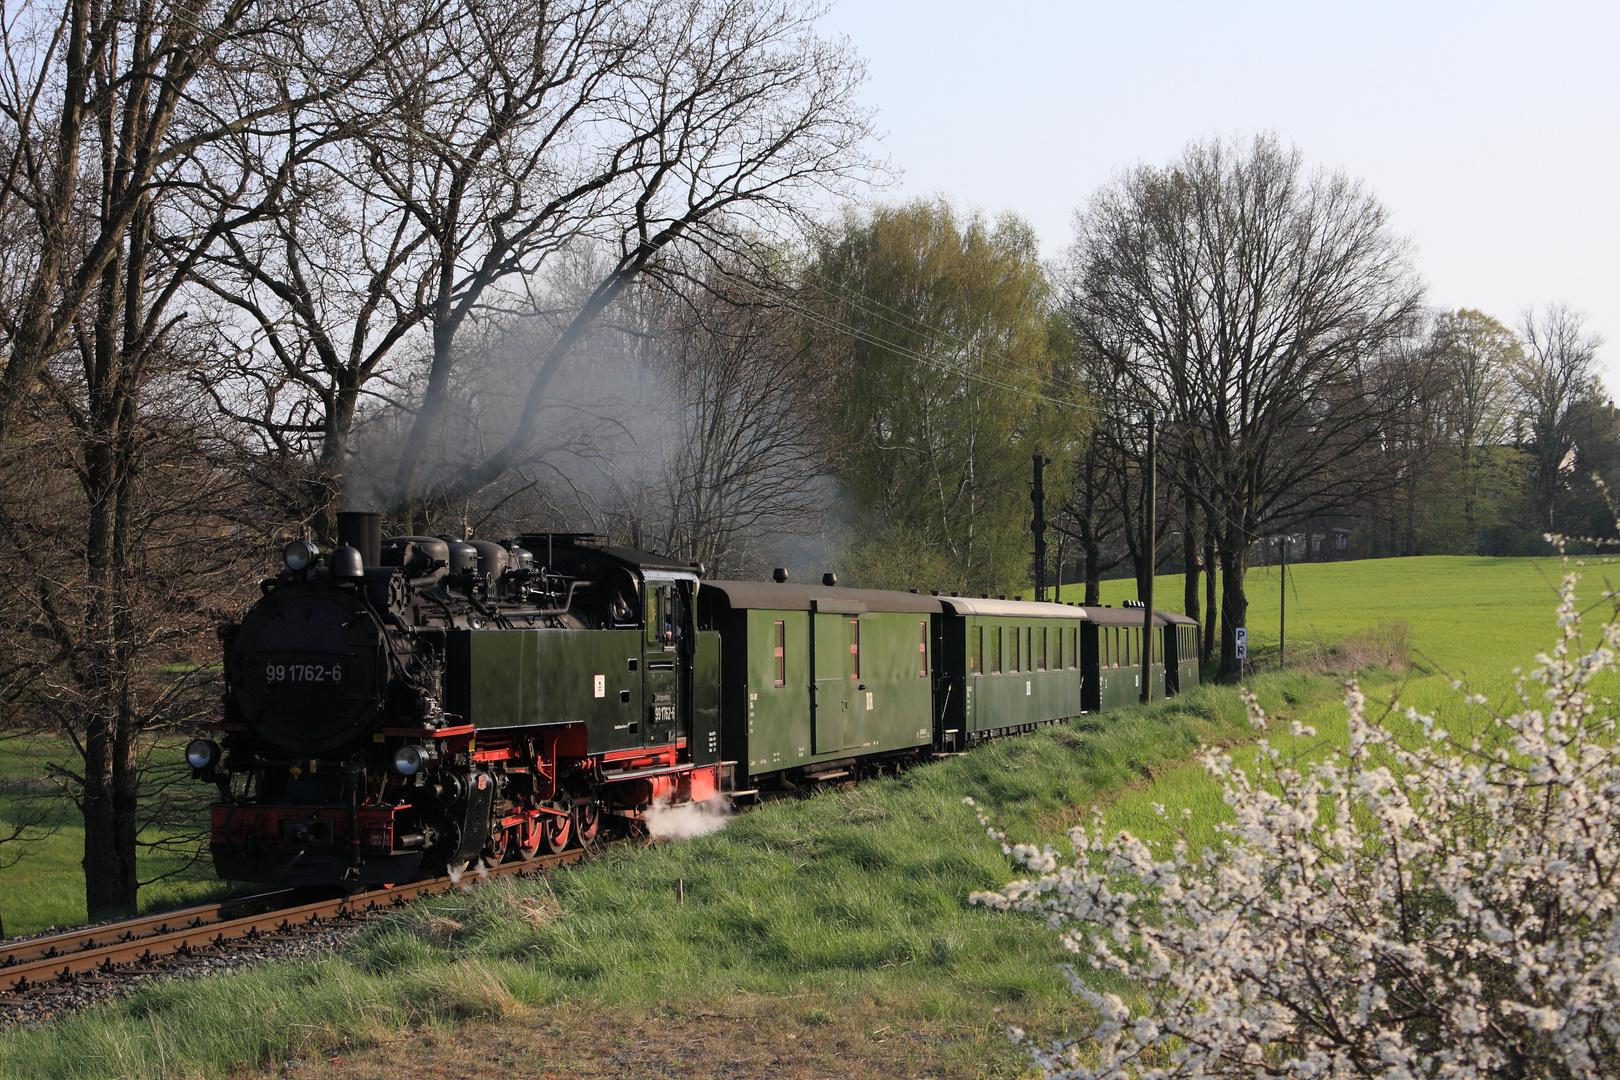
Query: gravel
{"points": [[36, 1009]]}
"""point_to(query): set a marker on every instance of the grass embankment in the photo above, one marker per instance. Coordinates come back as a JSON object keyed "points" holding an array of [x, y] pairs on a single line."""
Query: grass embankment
{"points": [[838, 922], [845, 909]]}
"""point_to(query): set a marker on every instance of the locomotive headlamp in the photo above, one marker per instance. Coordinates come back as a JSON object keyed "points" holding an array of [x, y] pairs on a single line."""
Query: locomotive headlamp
{"points": [[408, 760], [201, 753], [300, 555]]}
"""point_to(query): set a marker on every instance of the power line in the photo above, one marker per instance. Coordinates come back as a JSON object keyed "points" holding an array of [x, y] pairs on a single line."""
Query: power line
{"points": [[833, 323], [873, 308]]}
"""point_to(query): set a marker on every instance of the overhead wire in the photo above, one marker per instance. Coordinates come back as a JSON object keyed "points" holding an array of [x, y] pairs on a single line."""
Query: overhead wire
{"points": [[872, 308], [832, 322]]}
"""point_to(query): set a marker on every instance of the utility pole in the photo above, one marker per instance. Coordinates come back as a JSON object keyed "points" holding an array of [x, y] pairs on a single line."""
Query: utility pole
{"points": [[1148, 545], [1037, 525], [1282, 631]]}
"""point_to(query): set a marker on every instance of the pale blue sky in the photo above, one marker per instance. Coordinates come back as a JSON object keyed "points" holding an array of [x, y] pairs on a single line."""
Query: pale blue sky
{"points": [[1489, 130]]}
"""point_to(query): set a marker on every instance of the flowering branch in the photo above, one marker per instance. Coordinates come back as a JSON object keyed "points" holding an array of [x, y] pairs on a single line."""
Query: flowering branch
{"points": [[1425, 906]]}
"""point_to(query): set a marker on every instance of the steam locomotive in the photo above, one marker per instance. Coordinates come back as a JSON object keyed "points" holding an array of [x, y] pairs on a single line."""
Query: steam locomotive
{"points": [[402, 707]]}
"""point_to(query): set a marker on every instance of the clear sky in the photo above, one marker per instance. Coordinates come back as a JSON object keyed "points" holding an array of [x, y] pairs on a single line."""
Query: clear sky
{"points": [[1488, 130]]}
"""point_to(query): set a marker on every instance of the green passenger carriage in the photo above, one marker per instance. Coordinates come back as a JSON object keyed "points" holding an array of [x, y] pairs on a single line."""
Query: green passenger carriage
{"points": [[813, 677], [1007, 666]]}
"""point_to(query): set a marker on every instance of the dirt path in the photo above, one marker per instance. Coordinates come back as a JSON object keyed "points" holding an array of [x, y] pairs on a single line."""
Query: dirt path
{"points": [[755, 1039]]}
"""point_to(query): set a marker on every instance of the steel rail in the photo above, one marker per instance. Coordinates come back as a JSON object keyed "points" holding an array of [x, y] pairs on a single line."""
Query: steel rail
{"points": [[145, 926], [109, 949]]}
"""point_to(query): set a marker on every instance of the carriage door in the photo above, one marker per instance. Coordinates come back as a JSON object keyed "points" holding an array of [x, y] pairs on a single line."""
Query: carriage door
{"points": [[835, 661], [666, 636]]}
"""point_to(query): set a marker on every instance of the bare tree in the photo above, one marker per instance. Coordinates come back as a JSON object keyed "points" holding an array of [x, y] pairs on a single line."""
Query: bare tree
{"points": [[108, 194], [1246, 299], [722, 118], [1558, 373], [103, 109], [476, 148], [434, 194], [1090, 515], [749, 450]]}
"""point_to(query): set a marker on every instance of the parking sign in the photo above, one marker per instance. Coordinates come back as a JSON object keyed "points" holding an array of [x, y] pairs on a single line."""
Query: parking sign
{"points": [[1242, 634]]}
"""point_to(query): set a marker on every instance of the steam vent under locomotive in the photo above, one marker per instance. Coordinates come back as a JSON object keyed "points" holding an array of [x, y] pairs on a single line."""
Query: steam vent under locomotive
{"points": [[403, 706]]}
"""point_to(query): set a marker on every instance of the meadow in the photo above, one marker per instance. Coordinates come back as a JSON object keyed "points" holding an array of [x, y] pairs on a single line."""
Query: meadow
{"points": [[843, 917], [44, 886]]}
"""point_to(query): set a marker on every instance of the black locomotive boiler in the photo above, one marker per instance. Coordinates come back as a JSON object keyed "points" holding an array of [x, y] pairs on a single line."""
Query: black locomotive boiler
{"points": [[400, 707]]}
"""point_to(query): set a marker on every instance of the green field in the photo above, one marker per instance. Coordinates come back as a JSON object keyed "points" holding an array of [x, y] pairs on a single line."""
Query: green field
{"points": [[1473, 616], [850, 905], [45, 885]]}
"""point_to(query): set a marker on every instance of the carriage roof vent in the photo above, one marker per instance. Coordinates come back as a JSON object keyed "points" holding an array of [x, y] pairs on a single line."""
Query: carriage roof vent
{"points": [[829, 579], [779, 575]]}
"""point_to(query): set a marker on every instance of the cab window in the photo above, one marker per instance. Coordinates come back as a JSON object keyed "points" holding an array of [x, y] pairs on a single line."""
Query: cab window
{"points": [[657, 612]]}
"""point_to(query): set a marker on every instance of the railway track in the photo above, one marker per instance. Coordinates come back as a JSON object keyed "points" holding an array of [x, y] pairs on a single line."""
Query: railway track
{"points": [[155, 943]]}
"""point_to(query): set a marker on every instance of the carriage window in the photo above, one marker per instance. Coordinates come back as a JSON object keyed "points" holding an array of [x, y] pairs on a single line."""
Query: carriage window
{"points": [[995, 650], [1040, 649], [1014, 649], [922, 649], [1074, 646], [976, 651], [854, 648], [1029, 653], [781, 653]]}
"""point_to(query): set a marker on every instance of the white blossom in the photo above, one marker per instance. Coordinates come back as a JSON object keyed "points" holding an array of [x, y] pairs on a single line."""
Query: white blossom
{"points": [[1430, 906]]}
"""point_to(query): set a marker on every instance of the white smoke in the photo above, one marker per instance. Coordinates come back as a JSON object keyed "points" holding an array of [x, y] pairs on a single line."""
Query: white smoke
{"points": [[666, 822], [478, 871]]}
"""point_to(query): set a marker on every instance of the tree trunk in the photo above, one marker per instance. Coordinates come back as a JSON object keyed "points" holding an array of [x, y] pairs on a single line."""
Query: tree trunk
{"points": [[1234, 604], [1189, 557], [108, 806], [1211, 613], [1093, 571]]}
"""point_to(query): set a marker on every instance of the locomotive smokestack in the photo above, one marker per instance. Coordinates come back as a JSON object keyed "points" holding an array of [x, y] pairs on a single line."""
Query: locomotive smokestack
{"points": [[362, 530]]}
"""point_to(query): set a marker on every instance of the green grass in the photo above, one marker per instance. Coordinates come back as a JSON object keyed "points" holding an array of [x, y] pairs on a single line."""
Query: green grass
{"points": [[860, 893], [45, 886], [1475, 620], [1469, 615]]}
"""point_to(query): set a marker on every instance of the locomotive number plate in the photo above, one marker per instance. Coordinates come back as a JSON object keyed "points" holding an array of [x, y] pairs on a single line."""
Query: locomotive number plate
{"points": [[303, 673], [663, 714]]}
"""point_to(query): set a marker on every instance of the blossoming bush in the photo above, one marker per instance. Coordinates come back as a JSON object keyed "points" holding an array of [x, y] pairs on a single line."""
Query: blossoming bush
{"points": [[1418, 905]]}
